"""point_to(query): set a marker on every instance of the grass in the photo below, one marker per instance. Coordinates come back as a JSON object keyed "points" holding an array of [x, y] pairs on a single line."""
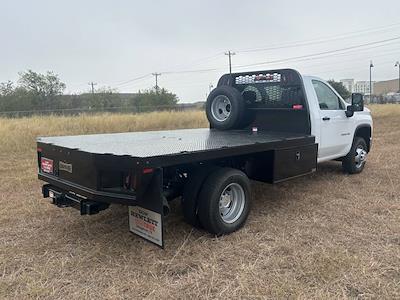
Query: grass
{"points": [[328, 235]]}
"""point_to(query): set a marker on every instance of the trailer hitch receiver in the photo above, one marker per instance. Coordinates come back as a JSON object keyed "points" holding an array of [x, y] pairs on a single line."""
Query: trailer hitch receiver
{"points": [[62, 199]]}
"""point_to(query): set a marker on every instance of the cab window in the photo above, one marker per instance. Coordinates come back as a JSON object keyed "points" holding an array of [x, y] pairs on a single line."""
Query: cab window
{"points": [[327, 99]]}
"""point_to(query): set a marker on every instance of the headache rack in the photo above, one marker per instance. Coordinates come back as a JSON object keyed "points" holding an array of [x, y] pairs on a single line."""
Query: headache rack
{"points": [[275, 89]]}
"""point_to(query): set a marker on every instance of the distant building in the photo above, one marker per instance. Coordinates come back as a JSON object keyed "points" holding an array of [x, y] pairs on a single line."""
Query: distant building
{"points": [[386, 87], [357, 86], [348, 84], [363, 87], [378, 87]]}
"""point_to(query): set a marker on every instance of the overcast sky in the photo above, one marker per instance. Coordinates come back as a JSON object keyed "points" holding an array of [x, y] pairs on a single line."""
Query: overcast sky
{"points": [[113, 42]]}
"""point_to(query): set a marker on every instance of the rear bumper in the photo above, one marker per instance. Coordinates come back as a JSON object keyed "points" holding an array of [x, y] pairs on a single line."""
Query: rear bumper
{"points": [[65, 199], [81, 192], [146, 213]]}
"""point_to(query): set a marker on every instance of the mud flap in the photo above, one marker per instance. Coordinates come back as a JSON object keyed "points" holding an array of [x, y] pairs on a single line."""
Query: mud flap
{"points": [[146, 219]]}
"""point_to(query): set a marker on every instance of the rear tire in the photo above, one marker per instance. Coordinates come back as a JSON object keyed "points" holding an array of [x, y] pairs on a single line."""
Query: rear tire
{"points": [[225, 107], [354, 161], [224, 201]]}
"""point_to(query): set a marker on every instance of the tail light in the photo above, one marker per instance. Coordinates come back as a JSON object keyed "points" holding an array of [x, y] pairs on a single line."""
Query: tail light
{"points": [[130, 182]]}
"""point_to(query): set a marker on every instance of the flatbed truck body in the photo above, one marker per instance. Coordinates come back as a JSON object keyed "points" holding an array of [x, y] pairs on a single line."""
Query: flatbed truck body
{"points": [[146, 170]]}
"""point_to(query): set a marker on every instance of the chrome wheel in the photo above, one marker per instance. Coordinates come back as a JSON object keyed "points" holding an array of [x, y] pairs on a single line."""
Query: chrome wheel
{"points": [[231, 203], [361, 156], [221, 108]]}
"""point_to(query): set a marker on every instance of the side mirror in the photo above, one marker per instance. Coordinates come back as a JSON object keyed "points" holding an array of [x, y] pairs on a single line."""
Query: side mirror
{"points": [[349, 112], [357, 104]]}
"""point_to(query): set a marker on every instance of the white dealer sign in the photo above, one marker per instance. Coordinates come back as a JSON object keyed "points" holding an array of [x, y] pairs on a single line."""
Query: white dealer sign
{"points": [[146, 223]]}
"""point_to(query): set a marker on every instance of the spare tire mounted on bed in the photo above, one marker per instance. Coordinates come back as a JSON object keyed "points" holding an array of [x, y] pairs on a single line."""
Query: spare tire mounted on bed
{"points": [[225, 107]]}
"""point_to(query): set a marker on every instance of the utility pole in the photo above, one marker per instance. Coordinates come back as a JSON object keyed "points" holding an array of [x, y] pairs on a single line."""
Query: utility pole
{"points": [[230, 54], [156, 76], [92, 84], [371, 65], [398, 65]]}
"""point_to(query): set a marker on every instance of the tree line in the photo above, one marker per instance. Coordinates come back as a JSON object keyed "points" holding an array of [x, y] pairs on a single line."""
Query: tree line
{"points": [[45, 92], [42, 92]]}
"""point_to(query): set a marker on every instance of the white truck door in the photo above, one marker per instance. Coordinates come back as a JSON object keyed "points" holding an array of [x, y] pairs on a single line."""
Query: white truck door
{"points": [[336, 128]]}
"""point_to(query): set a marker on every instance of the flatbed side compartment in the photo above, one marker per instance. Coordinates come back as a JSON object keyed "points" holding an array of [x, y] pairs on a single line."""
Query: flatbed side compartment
{"points": [[294, 162], [282, 164]]}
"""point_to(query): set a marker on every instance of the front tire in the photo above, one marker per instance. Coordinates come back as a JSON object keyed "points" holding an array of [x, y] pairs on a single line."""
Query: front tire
{"points": [[354, 161], [224, 201]]}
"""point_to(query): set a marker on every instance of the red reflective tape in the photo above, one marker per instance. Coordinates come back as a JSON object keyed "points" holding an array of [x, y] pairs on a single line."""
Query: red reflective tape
{"points": [[147, 170], [297, 106]]}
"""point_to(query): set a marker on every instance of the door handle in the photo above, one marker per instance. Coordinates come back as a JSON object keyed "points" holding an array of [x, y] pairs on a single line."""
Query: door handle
{"points": [[326, 119]]}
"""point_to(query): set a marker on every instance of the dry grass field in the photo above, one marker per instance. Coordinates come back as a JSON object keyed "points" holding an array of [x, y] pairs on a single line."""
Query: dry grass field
{"points": [[328, 235]]}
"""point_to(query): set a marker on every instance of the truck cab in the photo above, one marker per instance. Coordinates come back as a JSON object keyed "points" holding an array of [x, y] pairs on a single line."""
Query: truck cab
{"points": [[285, 100], [333, 128]]}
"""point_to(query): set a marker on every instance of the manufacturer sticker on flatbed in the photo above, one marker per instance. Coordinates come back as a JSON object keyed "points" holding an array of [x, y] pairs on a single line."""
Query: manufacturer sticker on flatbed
{"points": [[146, 223], [62, 166], [46, 165]]}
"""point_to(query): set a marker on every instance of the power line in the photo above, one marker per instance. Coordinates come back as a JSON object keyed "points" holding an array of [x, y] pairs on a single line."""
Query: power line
{"points": [[303, 58], [318, 53], [325, 71], [133, 79], [312, 56], [348, 53], [297, 58], [295, 44], [320, 40], [363, 58], [191, 71], [197, 61]]}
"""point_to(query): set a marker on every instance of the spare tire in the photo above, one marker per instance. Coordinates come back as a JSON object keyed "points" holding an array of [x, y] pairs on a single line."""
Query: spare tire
{"points": [[225, 108]]}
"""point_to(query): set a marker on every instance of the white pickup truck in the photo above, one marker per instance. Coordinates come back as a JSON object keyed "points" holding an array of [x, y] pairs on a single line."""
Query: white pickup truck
{"points": [[336, 125], [268, 126]]}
